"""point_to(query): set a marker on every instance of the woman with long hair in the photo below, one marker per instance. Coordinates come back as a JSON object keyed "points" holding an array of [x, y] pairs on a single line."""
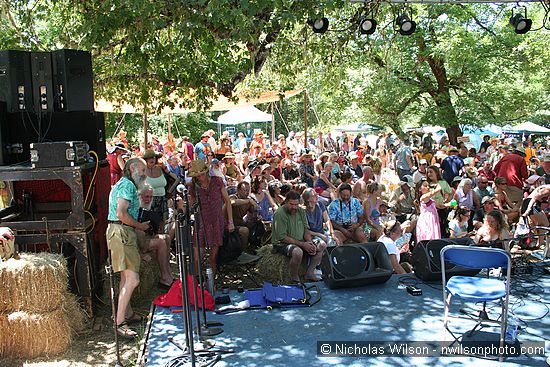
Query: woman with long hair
{"points": [[494, 228], [259, 192], [323, 184], [504, 203], [155, 178]]}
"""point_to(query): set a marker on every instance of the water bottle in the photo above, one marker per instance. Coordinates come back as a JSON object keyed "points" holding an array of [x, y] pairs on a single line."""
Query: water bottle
{"points": [[512, 329], [210, 281]]}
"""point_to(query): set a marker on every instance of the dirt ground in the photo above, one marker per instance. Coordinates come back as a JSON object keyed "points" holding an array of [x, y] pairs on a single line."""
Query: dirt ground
{"points": [[95, 346]]}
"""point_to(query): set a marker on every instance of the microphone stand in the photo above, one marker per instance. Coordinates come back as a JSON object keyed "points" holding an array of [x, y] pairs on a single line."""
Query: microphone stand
{"points": [[109, 270], [184, 253], [183, 246], [204, 329]]}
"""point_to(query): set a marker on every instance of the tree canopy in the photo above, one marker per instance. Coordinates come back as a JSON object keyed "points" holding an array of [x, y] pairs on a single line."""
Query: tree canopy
{"points": [[464, 64]]}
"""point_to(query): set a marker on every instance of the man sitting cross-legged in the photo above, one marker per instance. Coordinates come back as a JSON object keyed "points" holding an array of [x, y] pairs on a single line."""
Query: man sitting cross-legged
{"points": [[291, 237], [150, 241]]}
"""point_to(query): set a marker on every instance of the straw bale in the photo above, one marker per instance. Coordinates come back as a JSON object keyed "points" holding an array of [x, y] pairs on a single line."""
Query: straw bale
{"points": [[34, 283], [75, 314], [29, 335], [149, 276], [274, 267]]}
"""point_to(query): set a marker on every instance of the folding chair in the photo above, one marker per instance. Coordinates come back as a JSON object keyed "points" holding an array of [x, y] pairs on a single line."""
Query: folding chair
{"points": [[244, 267], [477, 288]]}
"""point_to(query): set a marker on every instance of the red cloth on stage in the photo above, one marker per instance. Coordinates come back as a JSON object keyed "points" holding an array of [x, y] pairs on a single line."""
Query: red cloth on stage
{"points": [[173, 297]]}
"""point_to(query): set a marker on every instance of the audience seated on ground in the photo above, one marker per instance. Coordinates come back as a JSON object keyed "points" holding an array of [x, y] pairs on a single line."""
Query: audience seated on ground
{"points": [[346, 215], [291, 237], [318, 219], [244, 210], [152, 242], [392, 233]]}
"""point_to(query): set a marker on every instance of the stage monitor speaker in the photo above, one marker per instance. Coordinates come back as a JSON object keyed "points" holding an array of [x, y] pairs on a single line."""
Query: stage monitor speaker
{"points": [[15, 80], [73, 80], [356, 265], [426, 259], [3, 132], [42, 86]]}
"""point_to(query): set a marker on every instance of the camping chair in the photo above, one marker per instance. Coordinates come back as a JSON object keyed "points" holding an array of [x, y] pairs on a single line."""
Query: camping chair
{"points": [[475, 288]]}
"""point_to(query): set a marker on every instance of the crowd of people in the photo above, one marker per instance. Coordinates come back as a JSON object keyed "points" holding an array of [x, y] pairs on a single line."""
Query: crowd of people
{"points": [[321, 192]]}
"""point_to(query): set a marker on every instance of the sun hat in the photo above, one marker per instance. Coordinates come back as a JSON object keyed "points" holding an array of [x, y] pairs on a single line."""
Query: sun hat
{"points": [[149, 153], [197, 168]]}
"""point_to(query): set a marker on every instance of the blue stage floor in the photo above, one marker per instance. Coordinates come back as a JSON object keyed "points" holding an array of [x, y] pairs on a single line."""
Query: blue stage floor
{"points": [[384, 312]]}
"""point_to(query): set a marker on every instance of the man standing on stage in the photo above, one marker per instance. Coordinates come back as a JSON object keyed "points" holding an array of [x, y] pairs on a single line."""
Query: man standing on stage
{"points": [[122, 240]]}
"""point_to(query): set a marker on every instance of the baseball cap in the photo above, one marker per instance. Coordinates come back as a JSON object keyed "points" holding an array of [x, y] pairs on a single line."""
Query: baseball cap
{"points": [[532, 179], [422, 161]]}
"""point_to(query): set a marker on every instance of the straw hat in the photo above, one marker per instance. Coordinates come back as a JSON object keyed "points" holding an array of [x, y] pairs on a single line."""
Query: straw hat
{"points": [[151, 154], [197, 168], [228, 155], [471, 171]]}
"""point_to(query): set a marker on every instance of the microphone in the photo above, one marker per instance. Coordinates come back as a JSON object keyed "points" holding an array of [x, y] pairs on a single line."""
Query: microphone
{"points": [[181, 189]]}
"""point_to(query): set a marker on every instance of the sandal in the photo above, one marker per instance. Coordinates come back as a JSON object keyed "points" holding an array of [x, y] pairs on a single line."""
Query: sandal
{"points": [[135, 318], [124, 332]]}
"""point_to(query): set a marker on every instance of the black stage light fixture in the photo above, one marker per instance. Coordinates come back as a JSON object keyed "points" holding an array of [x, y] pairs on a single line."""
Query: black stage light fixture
{"points": [[520, 23], [367, 25], [319, 25], [405, 24]]}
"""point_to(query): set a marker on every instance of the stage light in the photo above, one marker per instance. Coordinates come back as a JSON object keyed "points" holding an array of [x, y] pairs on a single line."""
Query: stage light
{"points": [[405, 24], [319, 25], [520, 23], [367, 26]]}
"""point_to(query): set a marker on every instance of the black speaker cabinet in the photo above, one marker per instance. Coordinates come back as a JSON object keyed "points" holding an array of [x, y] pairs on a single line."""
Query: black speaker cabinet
{"points": [[356, 265], [22, 129], [15, 80], [72, 80], [426, 259], [42, 86], [3, 132]]}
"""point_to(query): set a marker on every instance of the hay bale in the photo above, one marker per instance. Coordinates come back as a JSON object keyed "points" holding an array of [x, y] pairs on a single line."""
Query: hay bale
{"points": [[34, 283], [75, 314], [29, 335], [149, 276], [274, 267]]}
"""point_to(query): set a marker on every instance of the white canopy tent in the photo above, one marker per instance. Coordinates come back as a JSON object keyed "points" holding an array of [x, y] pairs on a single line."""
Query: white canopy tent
{"points": [[241, 115], [526, 127]]}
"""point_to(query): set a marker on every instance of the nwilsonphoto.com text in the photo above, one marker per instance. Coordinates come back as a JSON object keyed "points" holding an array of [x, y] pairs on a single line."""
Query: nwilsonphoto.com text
{"points": [[424, 349]]}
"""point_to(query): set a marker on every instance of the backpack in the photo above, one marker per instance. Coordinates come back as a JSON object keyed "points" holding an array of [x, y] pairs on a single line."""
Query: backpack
{"points": [[231, 248], [256, 234]]}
